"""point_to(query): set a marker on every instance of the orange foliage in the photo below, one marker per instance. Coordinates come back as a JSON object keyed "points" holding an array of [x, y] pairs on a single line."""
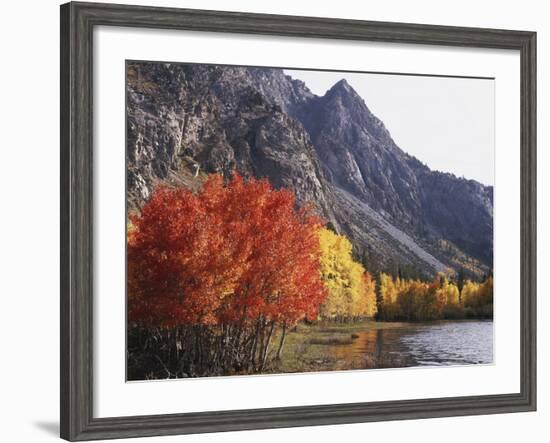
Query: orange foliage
{"points": [[231, 253]]}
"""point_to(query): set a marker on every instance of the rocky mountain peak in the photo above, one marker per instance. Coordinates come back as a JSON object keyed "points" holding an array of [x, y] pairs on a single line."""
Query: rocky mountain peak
{"points": [[185, 121], [342, 85], [346, 97]]}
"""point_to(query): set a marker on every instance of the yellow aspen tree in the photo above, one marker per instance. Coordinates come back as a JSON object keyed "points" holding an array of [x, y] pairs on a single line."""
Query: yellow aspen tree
{"points": [[342, 276]]}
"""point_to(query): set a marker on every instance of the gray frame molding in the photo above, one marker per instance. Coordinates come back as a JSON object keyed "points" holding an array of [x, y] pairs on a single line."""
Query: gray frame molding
{"points": [[77, 23]]}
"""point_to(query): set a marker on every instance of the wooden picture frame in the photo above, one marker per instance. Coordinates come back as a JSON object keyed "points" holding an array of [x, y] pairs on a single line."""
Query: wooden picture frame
{"points": [[77, 23]]}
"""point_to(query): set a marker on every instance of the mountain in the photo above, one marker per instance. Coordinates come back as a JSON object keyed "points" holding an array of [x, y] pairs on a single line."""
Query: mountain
{"points": [[185, 121]]}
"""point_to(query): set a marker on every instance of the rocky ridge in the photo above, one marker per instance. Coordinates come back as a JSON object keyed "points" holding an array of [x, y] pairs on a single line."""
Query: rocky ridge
{"points": [[184, 121]]}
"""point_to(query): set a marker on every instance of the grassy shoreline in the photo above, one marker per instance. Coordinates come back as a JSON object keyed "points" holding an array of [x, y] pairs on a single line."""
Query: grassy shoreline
{"points": [[310, 347], [341, 346]]}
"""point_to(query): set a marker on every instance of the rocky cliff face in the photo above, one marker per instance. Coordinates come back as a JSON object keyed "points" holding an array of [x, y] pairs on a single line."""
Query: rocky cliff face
{"points": [[209, 120], [362, 158], [184, 121]]}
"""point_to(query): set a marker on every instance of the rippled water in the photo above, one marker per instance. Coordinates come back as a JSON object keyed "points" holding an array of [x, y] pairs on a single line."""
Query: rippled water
{"points": [[422, 344], [451, 343]]}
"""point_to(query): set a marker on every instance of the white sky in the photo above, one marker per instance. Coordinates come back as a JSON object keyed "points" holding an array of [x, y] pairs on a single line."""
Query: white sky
{"points": [[447, 123]]}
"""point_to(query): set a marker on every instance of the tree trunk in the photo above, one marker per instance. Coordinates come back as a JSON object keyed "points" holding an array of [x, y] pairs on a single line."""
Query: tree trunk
{"points": [[281, 343], [266, 346]]}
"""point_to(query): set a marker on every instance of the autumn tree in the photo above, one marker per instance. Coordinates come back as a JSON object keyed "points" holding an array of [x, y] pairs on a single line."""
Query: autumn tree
{"points": [[469, 292], [388, 289], [351, 292], [478, 298], [216, 272], [368, 307]]}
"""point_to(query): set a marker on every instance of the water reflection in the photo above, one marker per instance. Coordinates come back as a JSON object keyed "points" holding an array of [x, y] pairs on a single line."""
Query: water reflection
{"points": [[422, 344]]}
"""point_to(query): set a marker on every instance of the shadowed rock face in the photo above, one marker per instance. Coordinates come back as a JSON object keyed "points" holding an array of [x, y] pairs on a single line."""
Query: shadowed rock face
{"points": [[187, 120]]}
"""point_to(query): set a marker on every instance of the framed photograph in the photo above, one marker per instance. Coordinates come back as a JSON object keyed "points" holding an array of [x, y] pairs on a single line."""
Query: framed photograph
{"points": [[273, 221]]}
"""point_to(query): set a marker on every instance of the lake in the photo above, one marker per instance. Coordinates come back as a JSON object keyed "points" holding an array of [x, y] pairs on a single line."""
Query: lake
{"points": [[419, 344]]}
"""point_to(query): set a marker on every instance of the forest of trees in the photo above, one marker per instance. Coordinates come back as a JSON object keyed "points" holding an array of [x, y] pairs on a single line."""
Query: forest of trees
{"points": [[415, 300], [216, 275]]}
